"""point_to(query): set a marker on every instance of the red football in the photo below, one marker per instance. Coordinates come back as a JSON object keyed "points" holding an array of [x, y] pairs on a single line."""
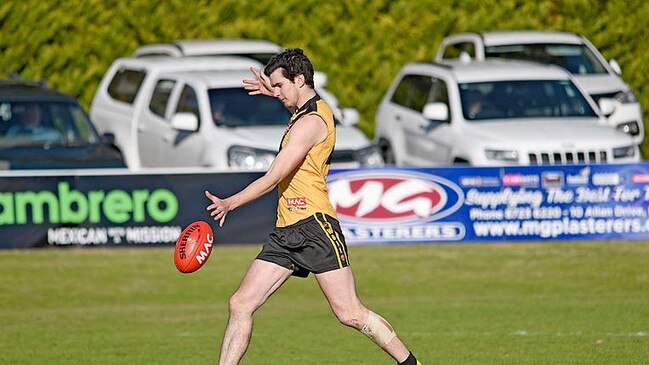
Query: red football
{"points": [[193, 247]]}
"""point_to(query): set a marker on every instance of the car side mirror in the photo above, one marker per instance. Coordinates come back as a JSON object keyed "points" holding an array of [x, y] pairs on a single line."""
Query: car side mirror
{"points": [[108, 138], [185, 122], [615, 66], [436, 111], [320, 79], [606, 106], [350, 117]]}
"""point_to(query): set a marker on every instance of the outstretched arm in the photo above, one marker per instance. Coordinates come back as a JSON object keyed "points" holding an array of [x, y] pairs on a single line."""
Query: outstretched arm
{"points": [[304, 135]]}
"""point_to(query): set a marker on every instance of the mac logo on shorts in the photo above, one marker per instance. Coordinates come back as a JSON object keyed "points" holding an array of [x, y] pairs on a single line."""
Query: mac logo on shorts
{"points": [[375, 197]]}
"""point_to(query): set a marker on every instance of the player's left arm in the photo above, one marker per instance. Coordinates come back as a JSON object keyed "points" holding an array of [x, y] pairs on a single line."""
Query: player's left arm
{"points": [[304, 135]]}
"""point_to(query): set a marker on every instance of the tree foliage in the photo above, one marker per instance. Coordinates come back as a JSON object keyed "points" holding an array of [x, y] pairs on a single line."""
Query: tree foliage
{"points": [[360, 44]]}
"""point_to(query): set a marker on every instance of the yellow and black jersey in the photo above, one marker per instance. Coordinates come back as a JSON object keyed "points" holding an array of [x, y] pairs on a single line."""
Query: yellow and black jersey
{"points": [[304, 192]]}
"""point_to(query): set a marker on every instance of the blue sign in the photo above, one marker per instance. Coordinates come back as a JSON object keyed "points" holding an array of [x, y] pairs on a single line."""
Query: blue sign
{"points": [[374, 206], [492, 203]]}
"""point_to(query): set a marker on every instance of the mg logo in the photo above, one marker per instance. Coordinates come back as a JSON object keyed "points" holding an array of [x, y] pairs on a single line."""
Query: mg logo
{"points": [[371, 197]]}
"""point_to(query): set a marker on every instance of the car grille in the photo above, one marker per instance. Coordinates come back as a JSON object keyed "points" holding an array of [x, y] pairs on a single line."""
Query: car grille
{"points": [[568, 158]]}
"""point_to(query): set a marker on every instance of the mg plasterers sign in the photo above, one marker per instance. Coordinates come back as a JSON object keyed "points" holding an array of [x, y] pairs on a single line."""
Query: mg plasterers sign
{"points": [[395, 206]]}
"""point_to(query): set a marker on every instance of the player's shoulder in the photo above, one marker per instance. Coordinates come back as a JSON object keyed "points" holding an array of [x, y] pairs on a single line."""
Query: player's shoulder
{"points": [[322, 106], [310, 121]]}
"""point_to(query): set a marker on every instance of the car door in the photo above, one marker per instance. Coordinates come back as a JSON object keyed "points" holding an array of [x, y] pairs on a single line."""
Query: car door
{"points": [[183, 148], [154, 126], [439, 133], [423, 139]]}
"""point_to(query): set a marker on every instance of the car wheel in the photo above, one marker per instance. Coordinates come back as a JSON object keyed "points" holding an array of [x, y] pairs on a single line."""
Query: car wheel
{"points": [[387, 152], [461, 162]]}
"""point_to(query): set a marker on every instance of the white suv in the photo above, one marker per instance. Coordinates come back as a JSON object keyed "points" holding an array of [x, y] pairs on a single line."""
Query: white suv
{"points": [[495, 112], [194, 112], [600, 79], [258, 49]]}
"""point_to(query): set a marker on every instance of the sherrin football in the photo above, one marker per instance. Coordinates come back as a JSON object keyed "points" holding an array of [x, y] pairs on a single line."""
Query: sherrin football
{"points": [[193, 247]]}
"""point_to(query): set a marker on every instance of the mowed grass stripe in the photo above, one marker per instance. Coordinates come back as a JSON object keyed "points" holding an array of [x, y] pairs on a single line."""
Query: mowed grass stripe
{"points": [[523, 303]]}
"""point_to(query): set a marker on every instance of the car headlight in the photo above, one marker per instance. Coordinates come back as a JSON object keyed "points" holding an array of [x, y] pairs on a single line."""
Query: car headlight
{"points": [[250, 158], [631, 128], [626, 97], [370, 157], [622, 152], [502, 155]]}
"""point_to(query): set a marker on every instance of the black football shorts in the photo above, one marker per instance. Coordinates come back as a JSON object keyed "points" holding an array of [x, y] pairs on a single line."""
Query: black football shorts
{"points": [[314, 244]]}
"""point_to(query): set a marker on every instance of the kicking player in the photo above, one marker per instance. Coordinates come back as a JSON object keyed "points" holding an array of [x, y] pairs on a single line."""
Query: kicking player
{"points": [[307, 237]]}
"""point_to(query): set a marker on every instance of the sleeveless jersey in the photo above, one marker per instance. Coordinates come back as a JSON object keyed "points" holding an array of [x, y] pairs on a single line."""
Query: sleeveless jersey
{"points": [[304, 191]]}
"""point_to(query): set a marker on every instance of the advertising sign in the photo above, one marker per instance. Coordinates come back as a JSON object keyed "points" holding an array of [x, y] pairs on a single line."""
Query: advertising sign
{"points": [[374, 206], [125, 209], [492, 204]]}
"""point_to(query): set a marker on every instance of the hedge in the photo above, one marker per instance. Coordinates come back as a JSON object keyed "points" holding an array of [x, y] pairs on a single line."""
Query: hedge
{"points": [[360, 44]]}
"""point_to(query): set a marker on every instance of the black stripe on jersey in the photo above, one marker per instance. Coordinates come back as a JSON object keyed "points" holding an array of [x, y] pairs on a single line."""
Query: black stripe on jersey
{"points": [[310, 106]]}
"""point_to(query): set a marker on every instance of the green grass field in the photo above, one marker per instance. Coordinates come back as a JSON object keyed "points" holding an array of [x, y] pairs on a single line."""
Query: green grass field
{"points": [[526, 303]]}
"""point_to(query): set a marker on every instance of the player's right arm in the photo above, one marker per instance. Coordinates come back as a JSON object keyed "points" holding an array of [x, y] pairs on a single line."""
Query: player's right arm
{"points": [[304, 135]]}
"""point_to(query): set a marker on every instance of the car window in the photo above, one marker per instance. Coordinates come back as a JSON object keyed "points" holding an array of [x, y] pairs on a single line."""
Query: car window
{"points": [[233, 107], [453, 51], [44, 123], [576, 58], [160, 97], [81, 128], [523, 99], [125, 85], [188, 103], [413, 92], [439, 93]]}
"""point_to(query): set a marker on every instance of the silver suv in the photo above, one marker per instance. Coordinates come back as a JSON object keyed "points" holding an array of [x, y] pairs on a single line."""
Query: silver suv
{"points": [[590, 70], [495, 112]]}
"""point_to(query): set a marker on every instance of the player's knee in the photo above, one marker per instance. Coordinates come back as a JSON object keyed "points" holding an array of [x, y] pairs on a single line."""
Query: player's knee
{"points": [[351, 317], [239, 305]]}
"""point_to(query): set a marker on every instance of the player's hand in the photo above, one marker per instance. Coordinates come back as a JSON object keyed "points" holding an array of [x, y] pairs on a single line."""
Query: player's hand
{"points": [[218, 209], [260, 85]]}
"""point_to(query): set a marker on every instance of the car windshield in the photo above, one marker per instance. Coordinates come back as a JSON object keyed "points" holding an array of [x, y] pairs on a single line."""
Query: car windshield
{"points": [[576, 58], [40, 123], [523, 99], [233, 107]]}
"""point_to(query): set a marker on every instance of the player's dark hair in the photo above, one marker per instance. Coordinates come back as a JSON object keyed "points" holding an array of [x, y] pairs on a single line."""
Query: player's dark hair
{"points": [[293, 62]]}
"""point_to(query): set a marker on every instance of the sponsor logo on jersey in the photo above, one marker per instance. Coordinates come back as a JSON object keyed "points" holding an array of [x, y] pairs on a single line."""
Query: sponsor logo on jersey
{"points": [[296, 202]]}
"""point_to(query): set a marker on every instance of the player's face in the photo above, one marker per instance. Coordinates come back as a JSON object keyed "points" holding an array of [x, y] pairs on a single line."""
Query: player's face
{"points": [[285, 90]]}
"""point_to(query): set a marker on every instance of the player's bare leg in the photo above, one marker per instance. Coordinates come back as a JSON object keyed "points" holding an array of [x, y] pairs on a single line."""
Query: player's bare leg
{"points": [[340, 289], [261, 280]]}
